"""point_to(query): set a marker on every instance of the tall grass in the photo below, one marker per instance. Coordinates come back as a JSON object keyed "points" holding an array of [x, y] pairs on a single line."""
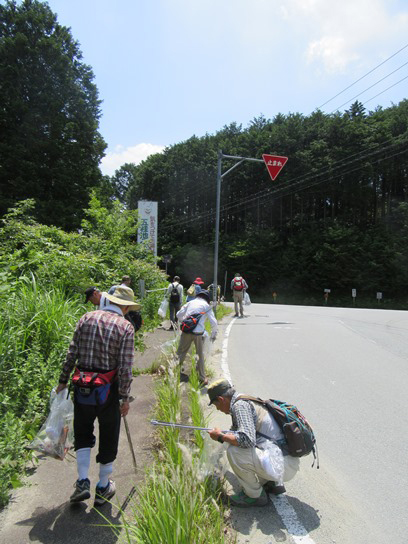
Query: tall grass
{"points": [[176, 507], [168, 409], [36, 326], [180, 502], [197, 415], [35, 329]]}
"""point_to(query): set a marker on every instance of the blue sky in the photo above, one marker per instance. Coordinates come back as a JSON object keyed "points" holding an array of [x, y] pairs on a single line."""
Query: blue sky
{"points": [[168, 69]]}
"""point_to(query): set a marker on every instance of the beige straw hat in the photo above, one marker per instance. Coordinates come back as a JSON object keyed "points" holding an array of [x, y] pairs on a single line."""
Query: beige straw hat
{"points": [[124, 296]]}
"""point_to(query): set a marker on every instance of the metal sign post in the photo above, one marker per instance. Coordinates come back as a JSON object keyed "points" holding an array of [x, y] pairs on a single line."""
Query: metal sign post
{"points": [[220, 176]]}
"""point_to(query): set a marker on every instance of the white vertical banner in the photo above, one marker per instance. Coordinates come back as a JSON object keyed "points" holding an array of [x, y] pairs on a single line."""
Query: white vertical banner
{"points": [[148, 228]]}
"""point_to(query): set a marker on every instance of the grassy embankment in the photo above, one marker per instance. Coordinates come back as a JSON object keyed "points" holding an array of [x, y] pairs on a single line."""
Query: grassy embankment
{"points": [[180, 501]]}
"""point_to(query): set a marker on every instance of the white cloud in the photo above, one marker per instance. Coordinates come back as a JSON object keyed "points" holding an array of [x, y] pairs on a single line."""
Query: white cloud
{"points": [[121, 155], [333, 51], [337, 32]]}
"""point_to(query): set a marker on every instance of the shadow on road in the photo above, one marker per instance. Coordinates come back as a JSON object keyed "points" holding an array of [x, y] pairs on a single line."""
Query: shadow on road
{"points": [[76, 524], [267, 521]]}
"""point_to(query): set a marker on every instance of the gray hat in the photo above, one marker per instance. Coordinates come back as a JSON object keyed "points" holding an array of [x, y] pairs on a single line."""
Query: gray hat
{"points": [[218, 389]]}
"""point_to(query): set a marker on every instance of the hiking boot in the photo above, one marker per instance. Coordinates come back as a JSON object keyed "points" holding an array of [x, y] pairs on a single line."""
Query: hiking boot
{"points": [[81, 492], [272, 487], [243, 501], [103, 494], [236, 315], [184, 377]]}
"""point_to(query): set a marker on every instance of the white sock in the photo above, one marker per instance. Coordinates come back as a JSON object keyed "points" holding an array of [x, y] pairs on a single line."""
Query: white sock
{"points": [[104, 472], [83, 457]]}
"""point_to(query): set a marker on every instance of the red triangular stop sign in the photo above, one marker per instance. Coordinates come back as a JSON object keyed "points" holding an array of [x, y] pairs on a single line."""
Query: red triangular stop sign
{"points": [[274, 164]]}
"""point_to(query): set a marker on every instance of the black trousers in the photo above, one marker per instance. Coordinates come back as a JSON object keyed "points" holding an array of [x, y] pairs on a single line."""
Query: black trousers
{"points": [[108, 416], [174, 308]]}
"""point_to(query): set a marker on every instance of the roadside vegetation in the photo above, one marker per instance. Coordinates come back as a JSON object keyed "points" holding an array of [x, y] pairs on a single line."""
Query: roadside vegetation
{"points": [[44, 272], [181, 499]]}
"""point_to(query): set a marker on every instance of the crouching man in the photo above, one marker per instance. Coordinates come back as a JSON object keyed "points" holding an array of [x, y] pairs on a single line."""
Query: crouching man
{"points": [[256, 450]]}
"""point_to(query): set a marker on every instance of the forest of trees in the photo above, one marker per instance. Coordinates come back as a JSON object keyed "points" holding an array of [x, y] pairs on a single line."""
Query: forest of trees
{"points": [[337, 216], [50, 147]]}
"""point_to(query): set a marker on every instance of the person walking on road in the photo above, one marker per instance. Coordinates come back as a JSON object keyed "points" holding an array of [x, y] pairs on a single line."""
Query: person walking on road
{"points": [[201, 304], [175, 298], [194, 289], [238, 287], [102, 350], [253, 431]]}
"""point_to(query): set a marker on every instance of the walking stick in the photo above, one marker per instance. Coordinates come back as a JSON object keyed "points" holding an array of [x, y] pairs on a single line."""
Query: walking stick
{"points": [[132, 451]]}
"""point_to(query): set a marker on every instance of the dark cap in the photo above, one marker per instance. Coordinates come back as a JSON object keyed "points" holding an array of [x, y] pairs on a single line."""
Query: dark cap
{"points": [[204, 294], [89, 292], [218, 389]]}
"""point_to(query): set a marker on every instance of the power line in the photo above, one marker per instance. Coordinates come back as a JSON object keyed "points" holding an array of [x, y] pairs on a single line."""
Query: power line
{"points": [[292, 185], [285, 191], [360, 155], [294, 182], [285, 188], [362, 77], [373, 85], [385, 90]]}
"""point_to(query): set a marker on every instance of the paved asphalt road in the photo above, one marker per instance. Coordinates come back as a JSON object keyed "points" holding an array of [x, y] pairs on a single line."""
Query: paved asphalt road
{"points": [[347, 370]]}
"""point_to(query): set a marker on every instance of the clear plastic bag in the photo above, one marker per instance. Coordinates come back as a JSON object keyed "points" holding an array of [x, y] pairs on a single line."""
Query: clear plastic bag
{"points": [[162, 311], [247, 300], [56, 435], [206, 346], [272, 461]]}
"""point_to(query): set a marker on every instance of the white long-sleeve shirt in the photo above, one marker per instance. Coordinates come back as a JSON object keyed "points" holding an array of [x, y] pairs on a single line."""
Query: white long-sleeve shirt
{"points": [[196, 306]]}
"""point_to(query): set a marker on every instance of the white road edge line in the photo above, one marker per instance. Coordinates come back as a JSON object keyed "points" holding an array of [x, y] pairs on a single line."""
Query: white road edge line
{"points": [[285, 510]]}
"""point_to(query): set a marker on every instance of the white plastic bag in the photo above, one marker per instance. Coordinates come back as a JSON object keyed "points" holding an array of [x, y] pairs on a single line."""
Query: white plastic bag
{"points": [[272, 461], [247, 300], [55, 436], [162, 311]]}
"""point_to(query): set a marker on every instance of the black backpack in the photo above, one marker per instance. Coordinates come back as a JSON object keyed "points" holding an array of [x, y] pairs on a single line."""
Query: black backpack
{"points": [[135, 318], [190, 323], [299, 436], [174, 295]]}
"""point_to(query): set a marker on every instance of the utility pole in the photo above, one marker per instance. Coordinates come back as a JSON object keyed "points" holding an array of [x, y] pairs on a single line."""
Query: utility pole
{"points": [[217, 216]]}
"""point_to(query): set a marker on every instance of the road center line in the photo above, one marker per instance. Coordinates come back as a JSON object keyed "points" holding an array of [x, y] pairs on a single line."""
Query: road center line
{"points": [[283, 507]]}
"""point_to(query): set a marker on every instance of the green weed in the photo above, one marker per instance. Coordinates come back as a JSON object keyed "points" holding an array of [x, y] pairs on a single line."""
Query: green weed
{"points": [[179, 503]]}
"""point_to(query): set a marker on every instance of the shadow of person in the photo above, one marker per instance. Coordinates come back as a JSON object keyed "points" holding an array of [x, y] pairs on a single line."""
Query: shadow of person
{"points": [[74, 524], [284, 515]]}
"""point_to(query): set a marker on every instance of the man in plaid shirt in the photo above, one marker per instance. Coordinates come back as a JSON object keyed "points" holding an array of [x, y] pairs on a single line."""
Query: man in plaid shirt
{"points": [[253, 437], [103, 342]]}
